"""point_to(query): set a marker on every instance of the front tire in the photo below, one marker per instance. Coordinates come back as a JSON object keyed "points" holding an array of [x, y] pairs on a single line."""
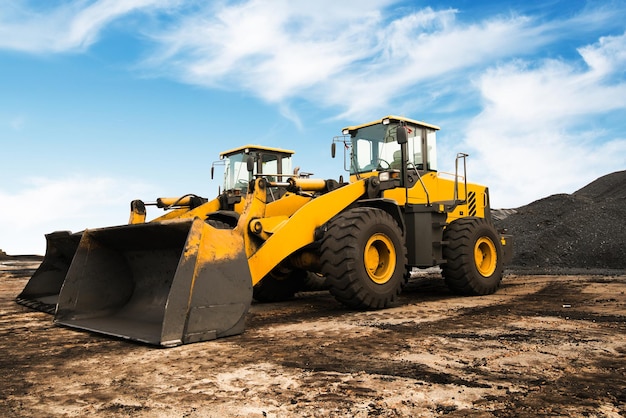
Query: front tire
{"points": [[364, 258], [474, 261]]}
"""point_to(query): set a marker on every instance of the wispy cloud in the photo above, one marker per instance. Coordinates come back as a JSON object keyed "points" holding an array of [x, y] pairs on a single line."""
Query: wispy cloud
{"points": [[356, 62], [70, 26], [371, 57], [539, 130], [359, 57], [274, 50]]}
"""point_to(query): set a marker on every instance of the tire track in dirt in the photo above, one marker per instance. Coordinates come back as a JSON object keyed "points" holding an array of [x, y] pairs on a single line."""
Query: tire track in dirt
{"points": [[519, 352]]}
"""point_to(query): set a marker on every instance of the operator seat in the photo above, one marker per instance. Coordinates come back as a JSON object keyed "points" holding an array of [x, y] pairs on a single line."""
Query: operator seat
{"points": [[396, 164]]}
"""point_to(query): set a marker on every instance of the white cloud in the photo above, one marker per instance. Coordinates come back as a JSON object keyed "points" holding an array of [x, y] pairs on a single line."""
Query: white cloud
{"points": [[538, 134], [606, 57], [44, 205], [71, 26], [274, 49], [290, 115], [424, 52], [360, 63], [361, 57]]}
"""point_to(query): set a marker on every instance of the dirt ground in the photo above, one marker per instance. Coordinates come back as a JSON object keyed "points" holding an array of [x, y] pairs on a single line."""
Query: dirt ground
{"points": [[540, 346]]}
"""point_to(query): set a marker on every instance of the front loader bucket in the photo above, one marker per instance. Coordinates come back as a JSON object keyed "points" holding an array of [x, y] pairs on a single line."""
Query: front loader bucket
{"points": [[42, 290], [163, 283]]}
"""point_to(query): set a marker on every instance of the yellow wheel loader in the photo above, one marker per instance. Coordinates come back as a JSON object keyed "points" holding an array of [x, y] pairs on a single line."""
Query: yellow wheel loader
{"points": [[42, 290], [184, 280], [447, 220]]}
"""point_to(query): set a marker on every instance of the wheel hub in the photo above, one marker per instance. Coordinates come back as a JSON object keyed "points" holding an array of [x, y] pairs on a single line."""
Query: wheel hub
{"points": [[379, 258], [485, 256]]}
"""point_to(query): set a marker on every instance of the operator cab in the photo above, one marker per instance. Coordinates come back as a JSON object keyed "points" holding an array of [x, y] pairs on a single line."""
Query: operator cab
{"points": [[375, 147], [273, 163]]}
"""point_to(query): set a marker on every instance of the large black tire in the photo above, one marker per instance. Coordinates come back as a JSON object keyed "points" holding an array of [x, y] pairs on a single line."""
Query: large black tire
{"points": [[363, 258], [474, 257], [314, 282], [279, 285]]}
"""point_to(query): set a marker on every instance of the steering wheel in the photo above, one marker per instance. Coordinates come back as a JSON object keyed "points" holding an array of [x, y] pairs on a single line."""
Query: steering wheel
{"points": [[241, 184], [380, 160]]}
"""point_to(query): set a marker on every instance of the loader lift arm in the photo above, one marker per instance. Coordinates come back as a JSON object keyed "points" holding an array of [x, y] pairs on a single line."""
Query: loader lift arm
{"points": [[291, 233]]}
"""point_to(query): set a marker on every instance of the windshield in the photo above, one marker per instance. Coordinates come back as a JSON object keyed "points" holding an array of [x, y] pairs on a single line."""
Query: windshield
{"points": [[272, 165], [375, 148], [236, 174]]}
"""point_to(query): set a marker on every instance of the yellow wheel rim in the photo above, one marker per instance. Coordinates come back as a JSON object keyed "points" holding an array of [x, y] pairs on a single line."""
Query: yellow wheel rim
{"points": [[485, 256], [379, 258]]}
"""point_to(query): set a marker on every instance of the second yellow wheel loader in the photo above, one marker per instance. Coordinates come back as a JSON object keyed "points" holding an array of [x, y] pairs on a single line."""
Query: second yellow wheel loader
{"points": [[42, 290], [184, 280]]}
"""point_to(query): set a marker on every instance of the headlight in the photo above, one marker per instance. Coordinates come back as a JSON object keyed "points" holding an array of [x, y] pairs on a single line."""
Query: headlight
{"points": [[389, 175]]}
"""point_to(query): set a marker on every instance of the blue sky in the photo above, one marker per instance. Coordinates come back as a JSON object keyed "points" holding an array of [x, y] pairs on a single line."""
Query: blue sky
{"points": [[105, 101]]}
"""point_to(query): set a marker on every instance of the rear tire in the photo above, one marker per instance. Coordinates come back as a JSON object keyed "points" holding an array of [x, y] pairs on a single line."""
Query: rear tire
{"points": [[474, 257], [314, 282], [364, 258], [279, 285]]}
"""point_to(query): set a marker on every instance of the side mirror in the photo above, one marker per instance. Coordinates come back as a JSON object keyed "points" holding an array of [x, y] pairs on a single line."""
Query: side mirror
{"points": [[212, 172], [333, 149], [250, 164], [401, 135]]}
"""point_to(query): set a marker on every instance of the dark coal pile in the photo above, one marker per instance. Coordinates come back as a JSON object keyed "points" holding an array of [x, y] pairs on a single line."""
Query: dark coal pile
{"points": [[583, 230]]}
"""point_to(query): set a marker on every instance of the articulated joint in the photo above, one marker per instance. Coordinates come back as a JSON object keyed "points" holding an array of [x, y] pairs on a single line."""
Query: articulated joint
{"points": [[265, 227], [256, 226]]}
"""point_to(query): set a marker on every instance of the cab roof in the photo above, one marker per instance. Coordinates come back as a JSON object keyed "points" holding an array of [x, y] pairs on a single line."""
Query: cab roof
{"points": [[253, 148], [393, 118]]}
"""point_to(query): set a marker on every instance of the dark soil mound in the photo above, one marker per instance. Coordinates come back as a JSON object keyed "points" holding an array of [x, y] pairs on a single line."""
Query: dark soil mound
{"points": [[584, 230], [611, 186]]}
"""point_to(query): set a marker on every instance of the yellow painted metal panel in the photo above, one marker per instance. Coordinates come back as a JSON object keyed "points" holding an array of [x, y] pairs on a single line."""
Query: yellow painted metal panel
{"points": [[441, 189], [299, 231], [286, 205]]}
